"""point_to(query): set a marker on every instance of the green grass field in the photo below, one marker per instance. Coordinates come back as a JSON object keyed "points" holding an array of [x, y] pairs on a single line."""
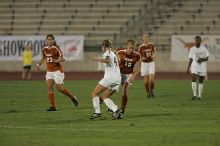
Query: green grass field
{"points": [[170, 119]]}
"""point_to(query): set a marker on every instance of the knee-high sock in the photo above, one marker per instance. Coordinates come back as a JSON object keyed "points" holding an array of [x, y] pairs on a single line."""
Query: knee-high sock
{"points": [[110, 104], [200, 89], [96, 104], [124, 101], [51, 99], [194, 88]]}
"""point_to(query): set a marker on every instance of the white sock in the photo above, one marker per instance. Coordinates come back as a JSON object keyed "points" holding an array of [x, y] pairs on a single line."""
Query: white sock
{"points": [[194, 88], [110, 104], [96, 104], [200, 89]]}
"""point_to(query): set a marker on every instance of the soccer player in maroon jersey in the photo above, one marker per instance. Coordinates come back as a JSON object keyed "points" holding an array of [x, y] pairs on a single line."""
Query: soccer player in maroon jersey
{"points": [[52, 55], [147, 51], [129, 64]]}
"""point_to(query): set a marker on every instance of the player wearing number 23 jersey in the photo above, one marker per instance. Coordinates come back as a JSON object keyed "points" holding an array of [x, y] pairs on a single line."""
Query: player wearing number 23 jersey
{"points": [[51, 53]]}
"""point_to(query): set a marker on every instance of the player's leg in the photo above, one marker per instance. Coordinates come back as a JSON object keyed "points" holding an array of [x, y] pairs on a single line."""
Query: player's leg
{"points": [[109, 103], [58, 78], [151, 78], [200, 88], [124, 99], [151, 85], [23, 74], [29, 73], [51, 97], [146, 85], [194, 86], [66, 92], [144, 74], [95, 100]]}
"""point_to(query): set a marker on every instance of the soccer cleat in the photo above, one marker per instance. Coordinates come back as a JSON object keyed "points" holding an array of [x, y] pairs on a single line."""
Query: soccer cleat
{"points": [[115, 115], [199, 98], [51, 109], [149, 95], [194, 98], [109, 111], [75, 101], [95, 115], [152, 94], [121, 114]]}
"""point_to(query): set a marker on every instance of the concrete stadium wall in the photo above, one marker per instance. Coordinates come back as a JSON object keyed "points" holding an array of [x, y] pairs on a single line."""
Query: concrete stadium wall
{"points": [[163, 64]]}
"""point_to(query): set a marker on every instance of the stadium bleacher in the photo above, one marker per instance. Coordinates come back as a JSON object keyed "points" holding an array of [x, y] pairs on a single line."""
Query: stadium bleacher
{"points": [[95, 19], [180, 17]]}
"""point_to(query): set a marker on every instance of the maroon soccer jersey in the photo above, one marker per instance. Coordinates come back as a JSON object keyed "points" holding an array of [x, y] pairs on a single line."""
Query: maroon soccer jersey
{"points": [[127, 61], [147, 52], [50, 54]]}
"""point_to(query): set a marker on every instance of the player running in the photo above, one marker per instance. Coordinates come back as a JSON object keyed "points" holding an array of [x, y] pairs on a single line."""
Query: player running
{"points": [[198, 56], [129, 63], [52, 55], [109, 84]]}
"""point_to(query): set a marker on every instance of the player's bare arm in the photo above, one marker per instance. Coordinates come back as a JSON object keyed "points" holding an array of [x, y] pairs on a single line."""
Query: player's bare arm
{"points": [[118, 57], [106, 60], [154, 53], [200, 60], [136, 71], [40, 62], [190, 62]]}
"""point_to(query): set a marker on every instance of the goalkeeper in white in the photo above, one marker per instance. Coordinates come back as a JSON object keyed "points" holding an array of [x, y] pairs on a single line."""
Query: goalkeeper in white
{"points": [[198, 56]]}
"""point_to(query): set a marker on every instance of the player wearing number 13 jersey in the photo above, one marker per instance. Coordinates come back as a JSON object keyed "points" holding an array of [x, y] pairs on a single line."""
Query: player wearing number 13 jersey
{"points": [[148, 51], [52, 55]]}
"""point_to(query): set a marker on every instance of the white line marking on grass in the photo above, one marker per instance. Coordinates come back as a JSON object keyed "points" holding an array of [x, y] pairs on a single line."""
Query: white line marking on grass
{"points": [[101, 128], [68, 129]]}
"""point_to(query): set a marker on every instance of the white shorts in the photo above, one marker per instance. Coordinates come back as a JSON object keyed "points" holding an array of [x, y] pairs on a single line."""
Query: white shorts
{"points": [[147, 68], [57, 76], [194, 71], [110, 84], [125, 78]]}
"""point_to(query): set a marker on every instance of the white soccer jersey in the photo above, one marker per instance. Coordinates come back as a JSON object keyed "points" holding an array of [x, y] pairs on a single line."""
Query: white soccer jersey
{"points": [[196, 53], [111, 69]]}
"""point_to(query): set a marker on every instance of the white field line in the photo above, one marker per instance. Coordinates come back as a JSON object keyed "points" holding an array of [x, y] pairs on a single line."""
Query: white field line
{"points": [[69, 129], [100, 127]]}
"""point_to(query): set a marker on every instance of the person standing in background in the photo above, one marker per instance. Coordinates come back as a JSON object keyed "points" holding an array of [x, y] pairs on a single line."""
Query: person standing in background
{"points": [[27, 62], [147, 51], [198, 56]]}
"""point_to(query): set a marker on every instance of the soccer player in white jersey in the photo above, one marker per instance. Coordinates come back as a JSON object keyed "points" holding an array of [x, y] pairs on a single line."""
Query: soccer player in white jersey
{"points": [[198, 56], [109, 84]]}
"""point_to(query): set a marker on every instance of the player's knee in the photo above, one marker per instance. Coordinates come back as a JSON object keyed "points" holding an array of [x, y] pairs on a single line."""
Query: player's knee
{"points": [[59, 88], [94, 94]]}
